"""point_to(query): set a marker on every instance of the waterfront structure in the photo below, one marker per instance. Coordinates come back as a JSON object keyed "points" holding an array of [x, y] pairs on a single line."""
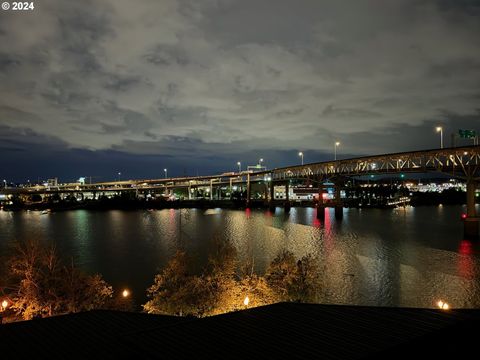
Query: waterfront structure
{"points": [[460, 163]]}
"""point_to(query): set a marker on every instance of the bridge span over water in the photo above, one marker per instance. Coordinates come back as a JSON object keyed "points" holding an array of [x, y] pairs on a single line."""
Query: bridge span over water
{"points": [[457, 162]]}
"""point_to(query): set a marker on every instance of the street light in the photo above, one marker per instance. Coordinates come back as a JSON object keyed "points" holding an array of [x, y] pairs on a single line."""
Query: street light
{"points": [[119, 174], [336, 144], [260, 162], [125, 293], [239, 166], [440, 130], [301, 155], [166, 173]]}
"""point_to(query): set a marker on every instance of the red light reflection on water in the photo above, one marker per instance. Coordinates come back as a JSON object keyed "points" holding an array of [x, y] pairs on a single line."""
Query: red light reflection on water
{"points": [[329, 241], [171, 215], [328, 220], [466, 266], [465, 248]]}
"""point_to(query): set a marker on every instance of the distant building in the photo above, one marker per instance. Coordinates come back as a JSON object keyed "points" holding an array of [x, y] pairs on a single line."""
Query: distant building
{"points": [[52, 182]]}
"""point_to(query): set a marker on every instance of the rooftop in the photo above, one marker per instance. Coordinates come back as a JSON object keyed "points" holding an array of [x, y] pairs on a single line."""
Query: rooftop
{"points": [[284, 330]]}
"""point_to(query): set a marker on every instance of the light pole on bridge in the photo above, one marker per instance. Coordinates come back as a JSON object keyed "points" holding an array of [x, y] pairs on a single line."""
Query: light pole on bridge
{"points": [[440, 130], [260, 163], [239, 166], [166, 172], [301, 155], [336, 145], [119, 174]]}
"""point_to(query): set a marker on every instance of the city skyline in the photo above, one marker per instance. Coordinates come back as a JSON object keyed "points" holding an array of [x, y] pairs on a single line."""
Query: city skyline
{"points": [[98, 88]]}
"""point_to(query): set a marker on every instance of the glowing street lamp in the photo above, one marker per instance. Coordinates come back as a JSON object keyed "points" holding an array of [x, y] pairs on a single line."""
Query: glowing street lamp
{"points": [[440, 130], [443, 305], [4, 305], [119, 174], [301, 155], [336, 145], [125, 293], [166, 172], [246, 301], [239, 166]]}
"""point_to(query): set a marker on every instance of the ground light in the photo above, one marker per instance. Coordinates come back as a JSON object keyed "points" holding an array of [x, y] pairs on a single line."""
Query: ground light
{"points": [[443, 305]]}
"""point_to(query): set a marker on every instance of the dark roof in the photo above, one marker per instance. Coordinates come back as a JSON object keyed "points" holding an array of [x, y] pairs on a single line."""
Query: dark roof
{"points": [[285, 330]]}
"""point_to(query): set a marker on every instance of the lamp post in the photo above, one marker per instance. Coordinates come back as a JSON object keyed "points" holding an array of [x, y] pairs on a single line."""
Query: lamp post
{"points": [[260, 162], [119, 174], [3, 306], [239, 166], [166, 172], [301, 155], [336, 145], [440, 130]]}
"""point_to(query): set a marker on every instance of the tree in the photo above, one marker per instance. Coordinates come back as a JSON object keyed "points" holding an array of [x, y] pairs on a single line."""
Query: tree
{"points": [[173, 291], [293, 280], [40, 285]]}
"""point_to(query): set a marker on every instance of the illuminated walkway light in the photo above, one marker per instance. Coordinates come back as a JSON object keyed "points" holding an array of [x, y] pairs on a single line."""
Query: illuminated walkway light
{"points": [[443, 305]]}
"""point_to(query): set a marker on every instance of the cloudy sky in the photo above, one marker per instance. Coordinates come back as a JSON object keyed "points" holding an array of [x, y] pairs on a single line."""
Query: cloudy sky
{"points": [[90, 88]]}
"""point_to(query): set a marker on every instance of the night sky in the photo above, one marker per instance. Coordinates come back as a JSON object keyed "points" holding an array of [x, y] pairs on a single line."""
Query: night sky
{"points": [[91, 88]]}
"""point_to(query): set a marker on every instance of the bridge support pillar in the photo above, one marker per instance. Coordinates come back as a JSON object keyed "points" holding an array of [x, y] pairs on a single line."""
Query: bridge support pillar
{"points": [[471, 223], [271, 204], [338, 202], [248, 191], [320, 204], [211, 189], [287, 205]]}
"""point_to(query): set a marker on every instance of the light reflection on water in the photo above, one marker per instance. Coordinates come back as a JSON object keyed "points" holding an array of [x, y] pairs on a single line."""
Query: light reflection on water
{"points": [[400, 257]]}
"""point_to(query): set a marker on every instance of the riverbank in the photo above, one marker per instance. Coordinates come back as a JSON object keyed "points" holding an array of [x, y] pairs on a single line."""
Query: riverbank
{"points": [[123, 203]]}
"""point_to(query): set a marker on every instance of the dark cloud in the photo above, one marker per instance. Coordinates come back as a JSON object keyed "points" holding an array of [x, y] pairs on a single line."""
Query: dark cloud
{"points": [[213, 82]]}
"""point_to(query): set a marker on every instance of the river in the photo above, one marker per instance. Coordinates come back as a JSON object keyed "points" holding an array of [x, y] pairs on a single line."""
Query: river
{"points": [[383, 257]]}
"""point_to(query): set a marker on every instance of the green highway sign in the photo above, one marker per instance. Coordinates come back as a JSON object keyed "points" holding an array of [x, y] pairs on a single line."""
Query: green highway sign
{"points": [[467, 134]]}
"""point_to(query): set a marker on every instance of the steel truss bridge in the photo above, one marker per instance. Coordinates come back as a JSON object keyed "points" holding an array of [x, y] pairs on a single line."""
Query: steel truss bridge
{"points": [[459, 162], [462, 162]]}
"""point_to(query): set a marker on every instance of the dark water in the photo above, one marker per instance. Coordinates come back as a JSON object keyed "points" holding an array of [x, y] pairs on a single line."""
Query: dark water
{"points": [[411, 257]]}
